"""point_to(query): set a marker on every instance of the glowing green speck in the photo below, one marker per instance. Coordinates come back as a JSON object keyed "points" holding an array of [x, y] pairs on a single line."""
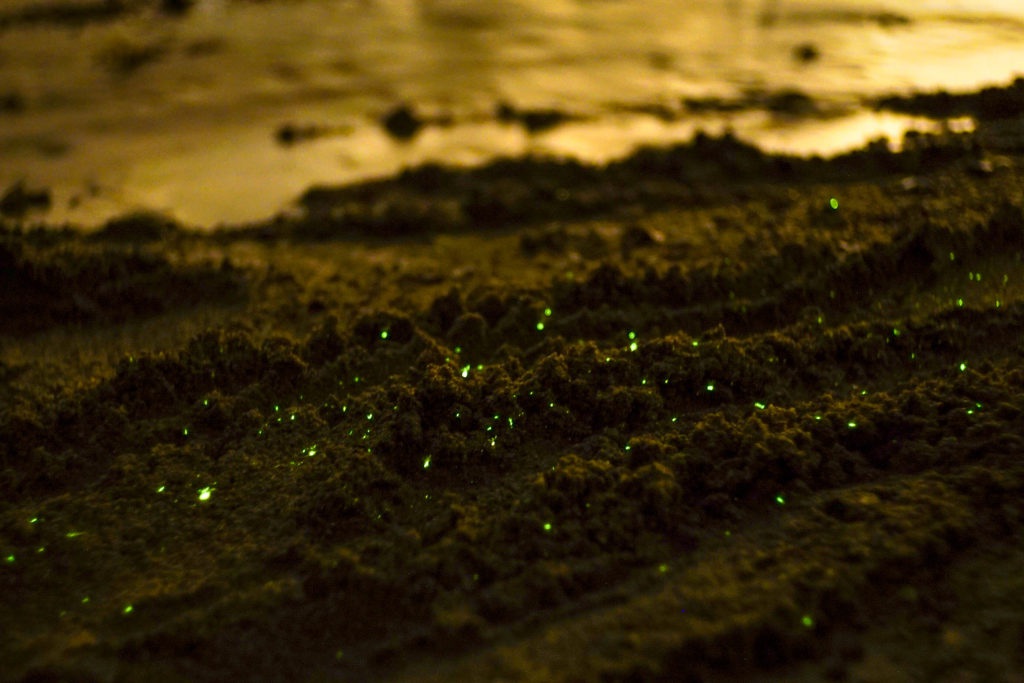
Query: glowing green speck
{"points": [[780, 499], [963, 366], [74, 534], [998, 303], [85, 600], [952, 256], [695, 343], [33, 520], [277, 409], [834, 203], [161, 488], [205, 493], [662, 568], [759, 405], [960, 302], [632, 335], [465, 372], [184, 431], [426, 462], [675, 419], [206, 401], [710, 387], [807, 621], [383, 334], [633, 346], [510, 424], [817, 417], [540, 327], [547, 312], [895, 331], [458, 349], [9, 559], [851, 424], [128, 609], [547, 526]]}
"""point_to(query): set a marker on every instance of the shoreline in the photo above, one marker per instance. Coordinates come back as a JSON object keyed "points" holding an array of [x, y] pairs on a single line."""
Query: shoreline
{"points": [[702, 414]]}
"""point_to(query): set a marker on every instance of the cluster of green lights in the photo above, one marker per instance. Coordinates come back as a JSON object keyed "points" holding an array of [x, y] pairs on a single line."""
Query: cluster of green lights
{"points": [[633, 345], [974, 277], [206, 492], [540, 324], [466, 368], [309, 451]]}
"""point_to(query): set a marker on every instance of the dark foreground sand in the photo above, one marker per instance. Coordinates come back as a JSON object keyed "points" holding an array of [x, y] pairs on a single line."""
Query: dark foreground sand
{"points": [[704, 415]]}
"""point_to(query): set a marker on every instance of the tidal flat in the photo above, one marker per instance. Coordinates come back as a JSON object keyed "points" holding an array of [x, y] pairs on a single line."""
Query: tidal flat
{"points": [[701, 414]]}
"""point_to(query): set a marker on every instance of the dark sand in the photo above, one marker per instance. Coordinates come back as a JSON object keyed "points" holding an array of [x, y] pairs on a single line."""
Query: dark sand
{"points": [[702, 415]]}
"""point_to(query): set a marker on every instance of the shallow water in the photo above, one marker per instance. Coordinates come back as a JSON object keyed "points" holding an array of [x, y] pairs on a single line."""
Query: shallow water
{"points": [[180, 115]]}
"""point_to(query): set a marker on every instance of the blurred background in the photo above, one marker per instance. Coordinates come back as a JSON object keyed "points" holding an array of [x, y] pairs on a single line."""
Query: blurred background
{"points": [[222, 111]]}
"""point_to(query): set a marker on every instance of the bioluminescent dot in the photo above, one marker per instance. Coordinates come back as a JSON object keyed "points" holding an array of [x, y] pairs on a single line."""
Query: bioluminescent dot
{"points": [[128, 609], [205, 493], [780, 499], [759, 405], [833, 203], [426, 462], [547, 526], [540, 327], [807, 621], [547, 312]]}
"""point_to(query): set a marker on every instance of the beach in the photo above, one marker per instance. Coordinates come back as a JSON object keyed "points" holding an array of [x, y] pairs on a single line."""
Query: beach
{"points": [[708, 414], [702, 412]]}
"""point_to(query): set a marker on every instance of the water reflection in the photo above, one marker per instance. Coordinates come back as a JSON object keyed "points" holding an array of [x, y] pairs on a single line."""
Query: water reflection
{"points": [[191, 127]]}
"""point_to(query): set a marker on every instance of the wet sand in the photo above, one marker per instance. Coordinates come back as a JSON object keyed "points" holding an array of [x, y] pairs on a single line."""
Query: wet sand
{"points": [[704, 414]]}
